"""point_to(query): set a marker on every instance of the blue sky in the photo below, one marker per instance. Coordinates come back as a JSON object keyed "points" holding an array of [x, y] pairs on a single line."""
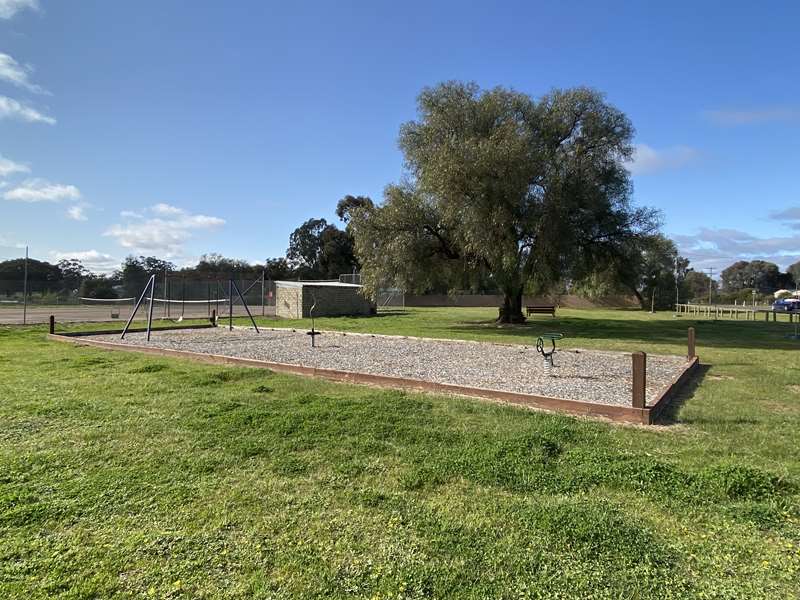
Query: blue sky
{"points": [[175, 128]]}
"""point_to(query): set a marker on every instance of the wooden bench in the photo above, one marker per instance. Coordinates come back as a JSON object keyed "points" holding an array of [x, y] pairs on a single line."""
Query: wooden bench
{"points": [[541, 309]]}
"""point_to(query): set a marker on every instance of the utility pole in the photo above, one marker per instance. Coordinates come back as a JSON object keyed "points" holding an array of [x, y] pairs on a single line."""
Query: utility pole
{"points": [[677, 286], [710, 283], [25, 290]]}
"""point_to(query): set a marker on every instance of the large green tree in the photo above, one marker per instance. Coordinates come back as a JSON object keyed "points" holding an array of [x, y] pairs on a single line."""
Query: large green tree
{"points": [[761, 275], [320, 250], [649, 267], [794, 271], [532, 191], [135, 272], [696, 286], [72, 274]]}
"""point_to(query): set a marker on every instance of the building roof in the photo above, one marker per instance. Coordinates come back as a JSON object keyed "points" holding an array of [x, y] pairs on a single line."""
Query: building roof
{"points": [[301, 284]]}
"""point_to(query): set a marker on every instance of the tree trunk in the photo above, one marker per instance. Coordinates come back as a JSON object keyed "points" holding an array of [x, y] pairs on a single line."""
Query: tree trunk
{"points": [[639, 297], [511, 311]]}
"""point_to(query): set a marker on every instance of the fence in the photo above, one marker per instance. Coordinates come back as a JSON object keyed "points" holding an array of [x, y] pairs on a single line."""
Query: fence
{"points": [[175, 298]]}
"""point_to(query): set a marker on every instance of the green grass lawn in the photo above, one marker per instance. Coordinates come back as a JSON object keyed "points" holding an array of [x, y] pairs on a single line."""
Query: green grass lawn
{"points": [[129, 476]]}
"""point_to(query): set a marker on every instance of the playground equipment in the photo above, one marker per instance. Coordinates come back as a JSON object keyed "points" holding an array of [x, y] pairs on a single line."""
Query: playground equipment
{"points": [[313, 333], [150, 287], [547, 355]]}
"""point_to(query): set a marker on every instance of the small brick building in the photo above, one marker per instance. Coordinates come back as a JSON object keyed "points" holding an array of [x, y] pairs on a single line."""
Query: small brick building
{"points": [[293, 299]]}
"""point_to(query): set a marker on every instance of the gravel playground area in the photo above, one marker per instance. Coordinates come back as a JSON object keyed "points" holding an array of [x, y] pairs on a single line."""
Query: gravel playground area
{"points": [[584, 375]]}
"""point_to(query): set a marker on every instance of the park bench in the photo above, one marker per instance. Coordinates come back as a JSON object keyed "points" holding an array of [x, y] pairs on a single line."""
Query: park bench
{"points": [[541, 309], [548, 354]]}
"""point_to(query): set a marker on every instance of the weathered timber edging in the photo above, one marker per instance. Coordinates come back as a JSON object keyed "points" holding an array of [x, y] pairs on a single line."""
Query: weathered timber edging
{"points": [[617, 413]]}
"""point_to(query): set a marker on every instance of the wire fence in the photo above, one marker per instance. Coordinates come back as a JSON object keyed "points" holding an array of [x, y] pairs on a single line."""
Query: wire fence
{"points": [[175, 298]]}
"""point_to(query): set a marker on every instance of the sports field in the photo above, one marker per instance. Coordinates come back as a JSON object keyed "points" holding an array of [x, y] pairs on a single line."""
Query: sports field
{"points": [[125, 475]]}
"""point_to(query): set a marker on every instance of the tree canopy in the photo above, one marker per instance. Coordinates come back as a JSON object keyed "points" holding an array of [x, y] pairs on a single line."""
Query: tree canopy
{"points": [[532, 191], [318, 250], [649, 267], [794, 271], [764, 277]]}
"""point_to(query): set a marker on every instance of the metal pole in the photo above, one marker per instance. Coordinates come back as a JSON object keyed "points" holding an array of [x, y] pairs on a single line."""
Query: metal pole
{"points": [[25, 290], [166, 304], [677, 287], [263, 290], [150, 312], [710, 283], [230, 304], [244, 303], [138, 303]]}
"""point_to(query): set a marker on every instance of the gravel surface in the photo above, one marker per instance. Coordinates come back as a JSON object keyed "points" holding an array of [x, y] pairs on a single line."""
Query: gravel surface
{"points": [[585, 375]]}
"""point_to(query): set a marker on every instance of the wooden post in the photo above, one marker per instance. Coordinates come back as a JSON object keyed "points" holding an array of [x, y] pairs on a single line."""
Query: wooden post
{"points": [[639, 360], [690, 354], [52, 324]]}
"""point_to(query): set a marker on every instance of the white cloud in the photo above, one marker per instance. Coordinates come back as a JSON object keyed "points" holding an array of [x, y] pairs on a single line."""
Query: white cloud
{"points": [[8, 8], [163, 234], [9, 167], [647, 159], [131, 214], [18, 75], [165, 209], [76, 213], [718, 248], [751, 117], [11, 109], [39, 190], [97, 262]]}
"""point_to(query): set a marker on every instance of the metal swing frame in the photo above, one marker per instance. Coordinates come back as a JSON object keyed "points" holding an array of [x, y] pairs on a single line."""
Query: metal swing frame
{"points": [[151, 286]]}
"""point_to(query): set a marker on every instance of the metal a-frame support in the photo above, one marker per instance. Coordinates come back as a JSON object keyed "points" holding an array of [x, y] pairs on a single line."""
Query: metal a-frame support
{"points": [[232, 286], [151, 285]]}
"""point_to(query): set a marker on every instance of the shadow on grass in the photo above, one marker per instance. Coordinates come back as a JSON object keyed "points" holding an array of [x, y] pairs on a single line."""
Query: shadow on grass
{"points": [[670, 414], [733, 334]]}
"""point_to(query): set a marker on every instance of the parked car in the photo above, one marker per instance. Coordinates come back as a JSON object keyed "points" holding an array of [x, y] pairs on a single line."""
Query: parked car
{"points": [[787, 305]]}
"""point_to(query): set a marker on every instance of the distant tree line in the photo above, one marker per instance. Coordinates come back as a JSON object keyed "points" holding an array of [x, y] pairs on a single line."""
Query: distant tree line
{"points": [[317, 250]]}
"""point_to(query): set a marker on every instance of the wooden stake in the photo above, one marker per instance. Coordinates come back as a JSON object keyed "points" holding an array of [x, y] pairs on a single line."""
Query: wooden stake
{"points": [[52, 324], [639, 360], [690, 354]]}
